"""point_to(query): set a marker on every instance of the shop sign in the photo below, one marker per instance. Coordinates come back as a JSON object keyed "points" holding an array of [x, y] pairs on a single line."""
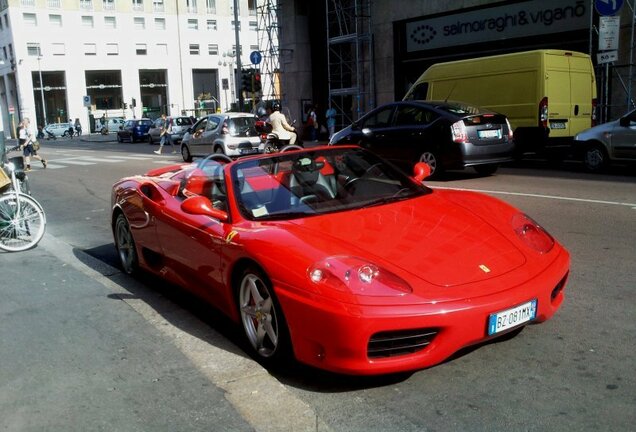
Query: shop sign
{"points": [[509, 21]]}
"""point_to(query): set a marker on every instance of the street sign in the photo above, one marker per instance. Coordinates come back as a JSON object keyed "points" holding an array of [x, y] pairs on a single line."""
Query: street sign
{"points": [[608, 7], [255, 57], [87, 101], [608, 32], [11, 109], [607, 57], [225, 84]]}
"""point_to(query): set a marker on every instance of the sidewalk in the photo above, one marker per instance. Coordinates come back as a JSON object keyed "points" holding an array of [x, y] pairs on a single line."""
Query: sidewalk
{"points": [[98, 137]]}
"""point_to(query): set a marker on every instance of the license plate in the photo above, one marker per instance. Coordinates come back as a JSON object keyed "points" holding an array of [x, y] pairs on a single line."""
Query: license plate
{"points": [[557, 125], [492, 133], [248, 151], [512, 317]]}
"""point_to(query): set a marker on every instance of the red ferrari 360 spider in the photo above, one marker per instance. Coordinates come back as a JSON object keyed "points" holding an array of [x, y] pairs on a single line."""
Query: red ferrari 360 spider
{"points": [[337, 258]]}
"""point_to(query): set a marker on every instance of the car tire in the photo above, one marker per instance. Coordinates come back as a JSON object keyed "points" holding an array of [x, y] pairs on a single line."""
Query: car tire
{"points": [[433, 162], [261, 318], [185, 153], [486, 170], [218, 150], [125, 244], [595, 157]]}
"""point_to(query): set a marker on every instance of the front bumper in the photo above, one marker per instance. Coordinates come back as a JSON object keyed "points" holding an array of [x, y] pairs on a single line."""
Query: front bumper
{"points": [[335, 336]]}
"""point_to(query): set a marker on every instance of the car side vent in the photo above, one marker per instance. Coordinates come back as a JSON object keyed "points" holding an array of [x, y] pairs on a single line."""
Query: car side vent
{"points": [[394, 343]]}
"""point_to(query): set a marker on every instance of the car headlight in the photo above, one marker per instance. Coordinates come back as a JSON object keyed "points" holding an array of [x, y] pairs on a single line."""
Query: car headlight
{"points": [[357, 276], [531, 233]]}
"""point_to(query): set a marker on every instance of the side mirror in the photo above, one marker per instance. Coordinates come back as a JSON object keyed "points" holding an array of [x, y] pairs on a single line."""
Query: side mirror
{"points": [[624, 121], [200, 205], [421, 171]]}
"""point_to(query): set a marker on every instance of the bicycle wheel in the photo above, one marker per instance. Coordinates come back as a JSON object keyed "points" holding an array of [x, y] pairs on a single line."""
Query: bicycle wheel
{"points": [[22, 222]]}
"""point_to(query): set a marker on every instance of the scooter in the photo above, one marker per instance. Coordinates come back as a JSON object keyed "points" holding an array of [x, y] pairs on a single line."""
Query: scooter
{"points": [[273, 143], [69, 132]]}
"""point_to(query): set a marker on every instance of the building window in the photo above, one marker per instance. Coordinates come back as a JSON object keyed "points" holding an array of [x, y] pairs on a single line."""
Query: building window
{"points": [[160, 23], [33, 49], [138, 5], [191, 6], [210, 6], [55, 20], [162, 49], [213, 49], [87, 21], [30, 19], [234, 49], [110, 22], [253, 25], [158, 6], [4, 48], [108, 4], [54, 4], [194, 49], [0, 23], [253, 47], [140, 23], [112, 49], [234, 24], [86, 4], [58, 49], [90, 49], [141, 49], [6, 20], [251, 5], [193, 24], [211, 24]]}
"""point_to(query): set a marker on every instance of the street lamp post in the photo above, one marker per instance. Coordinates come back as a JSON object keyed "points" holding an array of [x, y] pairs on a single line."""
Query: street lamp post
{"points": [[42, 90]]}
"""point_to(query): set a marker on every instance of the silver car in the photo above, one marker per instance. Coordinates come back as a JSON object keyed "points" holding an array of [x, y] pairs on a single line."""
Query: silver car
{"points": [[233, 134], [180, 126], [610, 142]]}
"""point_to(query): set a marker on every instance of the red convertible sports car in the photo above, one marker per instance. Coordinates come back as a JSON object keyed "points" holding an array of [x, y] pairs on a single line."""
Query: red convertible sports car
{"points": [[334, 257]]}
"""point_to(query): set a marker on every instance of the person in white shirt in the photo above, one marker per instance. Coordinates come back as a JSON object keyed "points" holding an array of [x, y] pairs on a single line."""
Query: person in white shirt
{"points": [[26, 144], [280, 126]]}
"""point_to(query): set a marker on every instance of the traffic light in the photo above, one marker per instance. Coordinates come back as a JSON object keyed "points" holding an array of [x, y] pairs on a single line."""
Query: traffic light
{"points": [[125, 105], [133, 103], [246, 80], [257, 82]]}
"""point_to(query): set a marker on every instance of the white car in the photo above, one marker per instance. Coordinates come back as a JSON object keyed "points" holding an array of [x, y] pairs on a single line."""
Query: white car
{"points": [[113, 124], [57, 129]]}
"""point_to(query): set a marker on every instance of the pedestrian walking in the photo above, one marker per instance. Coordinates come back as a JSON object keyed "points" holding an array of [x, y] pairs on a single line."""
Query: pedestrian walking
{"points": [[78, 127], [331, 121], [28, 145], [312, 124], [165, 134]]}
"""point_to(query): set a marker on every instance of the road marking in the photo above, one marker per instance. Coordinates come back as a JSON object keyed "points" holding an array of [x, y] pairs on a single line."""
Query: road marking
{"points": [[131, 157], [562, 198], [92, 159], [76, 161]]}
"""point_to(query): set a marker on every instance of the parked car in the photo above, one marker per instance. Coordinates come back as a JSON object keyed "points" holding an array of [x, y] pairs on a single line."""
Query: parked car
{"points": [[134, 130], [335, 257], [180, 126], [233, 134], [610, 142], [57, 129], [446, 135], [112, 123]]}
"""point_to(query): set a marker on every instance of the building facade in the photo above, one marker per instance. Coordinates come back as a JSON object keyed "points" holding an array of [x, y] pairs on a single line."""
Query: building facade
{"points": [[68, 59]]}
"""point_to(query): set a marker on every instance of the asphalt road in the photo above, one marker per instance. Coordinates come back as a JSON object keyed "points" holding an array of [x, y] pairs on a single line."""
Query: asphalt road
{"points": [[84, 347]]}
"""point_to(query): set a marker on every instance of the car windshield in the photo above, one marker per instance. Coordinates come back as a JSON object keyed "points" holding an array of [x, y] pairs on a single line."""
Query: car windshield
{"points": [[298, 184], [460, 109], [183, 121]]}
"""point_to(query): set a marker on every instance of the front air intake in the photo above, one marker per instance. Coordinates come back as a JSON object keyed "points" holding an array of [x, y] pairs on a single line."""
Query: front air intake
{"points": [[400, 342]]}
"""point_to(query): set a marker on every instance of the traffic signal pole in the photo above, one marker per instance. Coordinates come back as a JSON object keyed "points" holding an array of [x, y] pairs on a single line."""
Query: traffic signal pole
{"points": [[239, 67]]}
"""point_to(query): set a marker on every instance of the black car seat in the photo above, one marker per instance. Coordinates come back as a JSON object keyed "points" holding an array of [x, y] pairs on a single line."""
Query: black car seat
{"points": [[307, 183]]}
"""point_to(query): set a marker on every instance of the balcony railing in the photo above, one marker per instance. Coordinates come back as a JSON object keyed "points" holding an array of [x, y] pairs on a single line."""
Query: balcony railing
{"points": [[211, 10], [27, 3], [86, 4], [108, 5], [158, 7], [54, 4], [138, 6]]}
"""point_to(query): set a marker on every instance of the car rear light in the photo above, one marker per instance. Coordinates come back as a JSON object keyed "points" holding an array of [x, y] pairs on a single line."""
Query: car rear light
{"points": [[509, 129], [543, 113], [594, 102], [531, 233], [458, 130]]}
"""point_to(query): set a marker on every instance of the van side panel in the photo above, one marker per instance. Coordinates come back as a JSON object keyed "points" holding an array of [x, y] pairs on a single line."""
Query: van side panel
{"points": [[558, 93]]}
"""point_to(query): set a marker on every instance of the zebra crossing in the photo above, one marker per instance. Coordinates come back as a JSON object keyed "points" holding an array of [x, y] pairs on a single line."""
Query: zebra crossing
{"points": [[59, 159]]}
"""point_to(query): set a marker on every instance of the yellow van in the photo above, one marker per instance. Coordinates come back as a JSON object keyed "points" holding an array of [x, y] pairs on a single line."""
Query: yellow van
{"points": [[548, 95]]}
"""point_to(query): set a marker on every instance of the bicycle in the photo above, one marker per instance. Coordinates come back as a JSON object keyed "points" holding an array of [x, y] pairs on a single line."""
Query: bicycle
{"points": [[22, 218]]}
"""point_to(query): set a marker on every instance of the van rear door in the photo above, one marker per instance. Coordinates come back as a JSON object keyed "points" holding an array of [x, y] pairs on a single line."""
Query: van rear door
{"points": [[581, 93], [558, 91]]}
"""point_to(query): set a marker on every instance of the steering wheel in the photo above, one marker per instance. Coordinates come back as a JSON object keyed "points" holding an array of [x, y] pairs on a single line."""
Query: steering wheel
{"points": [[218, 157], [352, 180]]}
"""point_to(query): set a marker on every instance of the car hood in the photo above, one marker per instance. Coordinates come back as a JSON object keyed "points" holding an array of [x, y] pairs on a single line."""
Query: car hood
{"points": [[431, 238], [596, 132]]}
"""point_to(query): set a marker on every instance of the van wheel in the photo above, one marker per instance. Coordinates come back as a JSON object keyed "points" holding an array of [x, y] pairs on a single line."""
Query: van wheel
{"points": [[433, 162], [486, 170], [595, 158]]}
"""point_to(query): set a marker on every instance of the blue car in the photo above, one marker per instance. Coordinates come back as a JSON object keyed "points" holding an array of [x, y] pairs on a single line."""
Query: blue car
{"points": [[134, 130]]}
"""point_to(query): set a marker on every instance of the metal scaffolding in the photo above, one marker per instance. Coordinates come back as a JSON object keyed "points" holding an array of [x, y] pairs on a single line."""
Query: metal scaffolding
{"points": [[267, 31], [350, 59]]}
